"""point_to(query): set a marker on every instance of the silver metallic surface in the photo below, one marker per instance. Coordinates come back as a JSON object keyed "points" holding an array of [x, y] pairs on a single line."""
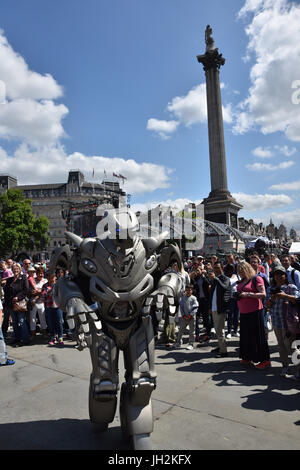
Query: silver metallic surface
{"points": [[126, 278]]}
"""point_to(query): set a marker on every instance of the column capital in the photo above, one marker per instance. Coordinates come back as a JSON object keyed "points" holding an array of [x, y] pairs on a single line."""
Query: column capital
{"points": [[211, 59]]}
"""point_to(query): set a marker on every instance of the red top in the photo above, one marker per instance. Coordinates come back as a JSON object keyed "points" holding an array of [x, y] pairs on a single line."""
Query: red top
{"points": [[249, 304]]}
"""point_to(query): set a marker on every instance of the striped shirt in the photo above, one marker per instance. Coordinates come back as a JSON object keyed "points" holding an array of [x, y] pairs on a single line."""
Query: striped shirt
{"points": [[47, 296]]}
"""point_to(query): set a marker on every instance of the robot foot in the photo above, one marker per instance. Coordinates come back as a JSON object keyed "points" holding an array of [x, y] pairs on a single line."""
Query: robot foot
{"points": [[141, 442], [136, 421], [102, 409]]}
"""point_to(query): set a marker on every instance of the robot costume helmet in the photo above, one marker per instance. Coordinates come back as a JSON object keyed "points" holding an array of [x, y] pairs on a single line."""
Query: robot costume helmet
{"points": [[120, 225]]}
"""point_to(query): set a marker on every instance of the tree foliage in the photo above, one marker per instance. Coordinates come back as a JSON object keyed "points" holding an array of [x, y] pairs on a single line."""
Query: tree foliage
{"points": [[19, 227]]}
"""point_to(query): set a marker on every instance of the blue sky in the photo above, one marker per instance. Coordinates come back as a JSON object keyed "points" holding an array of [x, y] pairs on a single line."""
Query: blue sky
{"points": [[116, 86]]}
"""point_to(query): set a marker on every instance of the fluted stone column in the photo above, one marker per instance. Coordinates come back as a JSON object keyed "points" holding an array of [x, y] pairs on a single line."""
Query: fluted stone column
{"points": [[220, 206]]}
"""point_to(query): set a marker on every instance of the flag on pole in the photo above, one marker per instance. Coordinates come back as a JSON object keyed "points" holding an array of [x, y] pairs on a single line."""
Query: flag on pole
{"points": [[117, 176], [123, 178]]}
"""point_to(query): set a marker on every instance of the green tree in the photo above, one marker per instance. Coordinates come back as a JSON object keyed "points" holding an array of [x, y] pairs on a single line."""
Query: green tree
{"points": [[19, 227]]}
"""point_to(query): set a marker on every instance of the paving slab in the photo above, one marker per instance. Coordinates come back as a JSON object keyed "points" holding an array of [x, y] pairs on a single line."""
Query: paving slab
{"points": [[200, 402]]}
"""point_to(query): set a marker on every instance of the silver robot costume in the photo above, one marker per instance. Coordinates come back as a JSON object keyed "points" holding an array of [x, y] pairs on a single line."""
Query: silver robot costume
{"points": [[124, 274]]}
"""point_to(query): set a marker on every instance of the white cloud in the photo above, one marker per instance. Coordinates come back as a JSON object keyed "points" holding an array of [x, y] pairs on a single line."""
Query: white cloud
{"points": [[262, 201], [30, 116], [269, 166], [262, 152], [20, 81], [50, 164], [163, 128], [37, 122], [27, 110], [292, 186], [192, 108], [188, 110], [175, 204], [289, 219], [274, 41], [285, 150]]}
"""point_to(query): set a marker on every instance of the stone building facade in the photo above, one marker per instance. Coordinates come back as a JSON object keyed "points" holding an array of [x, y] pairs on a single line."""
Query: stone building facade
{"points": [[54, 200]]}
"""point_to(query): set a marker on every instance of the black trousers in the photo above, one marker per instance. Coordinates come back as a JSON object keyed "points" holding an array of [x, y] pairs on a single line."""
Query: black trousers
{"points": [[206, 316], [253, 342]]}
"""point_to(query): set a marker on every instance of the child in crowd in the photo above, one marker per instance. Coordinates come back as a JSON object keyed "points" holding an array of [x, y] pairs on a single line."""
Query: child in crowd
{"points": [[188, 309], [54, 315]]}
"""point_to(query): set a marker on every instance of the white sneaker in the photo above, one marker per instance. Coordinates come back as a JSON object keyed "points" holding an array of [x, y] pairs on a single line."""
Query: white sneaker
{"points": [[228, 336], [213, 330], [284, 371], [236, 335], [190, 346]]}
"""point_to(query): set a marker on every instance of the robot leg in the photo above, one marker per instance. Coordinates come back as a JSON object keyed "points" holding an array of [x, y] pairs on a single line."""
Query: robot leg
{"points": [[104, 382], [135, 404]]}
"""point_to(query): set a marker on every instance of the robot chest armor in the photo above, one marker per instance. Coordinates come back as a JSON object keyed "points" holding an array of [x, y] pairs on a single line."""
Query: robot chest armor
{"points": [[122, 277]]}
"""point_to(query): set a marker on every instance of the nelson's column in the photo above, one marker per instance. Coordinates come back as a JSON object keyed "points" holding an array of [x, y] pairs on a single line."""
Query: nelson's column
{"points": [[219, 206]]}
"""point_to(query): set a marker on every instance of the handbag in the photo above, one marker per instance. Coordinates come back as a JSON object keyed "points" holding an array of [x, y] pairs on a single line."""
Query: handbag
{"points": [[20, 306]]}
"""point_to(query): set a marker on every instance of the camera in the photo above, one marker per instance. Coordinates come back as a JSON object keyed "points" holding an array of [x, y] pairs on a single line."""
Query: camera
{"points": [[236, 295], [275, 290]]}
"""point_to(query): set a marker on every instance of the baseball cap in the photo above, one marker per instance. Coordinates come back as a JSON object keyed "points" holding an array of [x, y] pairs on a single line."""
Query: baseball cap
{"points": [[279, 269]]}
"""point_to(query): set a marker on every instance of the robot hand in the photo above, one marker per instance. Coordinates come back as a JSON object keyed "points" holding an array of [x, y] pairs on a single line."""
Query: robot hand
{"points": [[162, 301], [80, 317]]}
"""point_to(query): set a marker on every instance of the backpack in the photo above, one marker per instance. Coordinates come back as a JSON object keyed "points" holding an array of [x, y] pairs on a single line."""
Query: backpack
{"points": [[293, 275], [266, 282], [291, 317]]}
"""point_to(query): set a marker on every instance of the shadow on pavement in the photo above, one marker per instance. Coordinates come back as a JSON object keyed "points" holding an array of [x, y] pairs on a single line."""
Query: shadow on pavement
{"points": [[62, 434], [269, 397], [275, 392]]}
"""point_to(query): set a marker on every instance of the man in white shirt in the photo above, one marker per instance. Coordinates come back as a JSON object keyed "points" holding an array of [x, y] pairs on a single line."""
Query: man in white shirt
{"points": [[292, 274], [219, 305]]}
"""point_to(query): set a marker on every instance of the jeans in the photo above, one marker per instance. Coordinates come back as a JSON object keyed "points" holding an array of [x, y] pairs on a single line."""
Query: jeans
{"points": [[66, 327], [54, 317], [20, 326], [233, 316], [3, 352]]}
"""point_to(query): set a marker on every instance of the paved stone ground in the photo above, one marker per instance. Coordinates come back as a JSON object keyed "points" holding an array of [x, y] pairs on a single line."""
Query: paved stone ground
{"points": [[200, 402]]}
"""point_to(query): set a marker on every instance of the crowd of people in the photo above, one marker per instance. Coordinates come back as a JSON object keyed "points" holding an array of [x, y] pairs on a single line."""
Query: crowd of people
{"points": [[27, 303], [245, 299], [234, 298]]}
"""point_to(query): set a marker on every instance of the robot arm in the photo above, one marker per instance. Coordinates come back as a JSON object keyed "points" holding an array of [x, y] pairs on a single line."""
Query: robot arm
{"points": [[80, 317]]}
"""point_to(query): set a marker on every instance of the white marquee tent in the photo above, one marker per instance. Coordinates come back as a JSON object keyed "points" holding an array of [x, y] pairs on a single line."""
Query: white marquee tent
{"points": [[295, 248]]}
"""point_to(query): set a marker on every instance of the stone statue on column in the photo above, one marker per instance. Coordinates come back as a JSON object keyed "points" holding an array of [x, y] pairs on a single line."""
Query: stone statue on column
{"points": [[209, 40]]}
